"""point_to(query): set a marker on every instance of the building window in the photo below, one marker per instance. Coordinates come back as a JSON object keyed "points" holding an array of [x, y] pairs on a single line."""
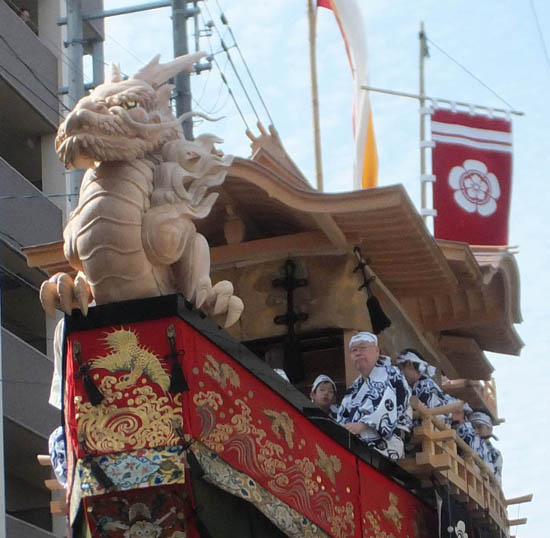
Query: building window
{"points": [[22, 313]]}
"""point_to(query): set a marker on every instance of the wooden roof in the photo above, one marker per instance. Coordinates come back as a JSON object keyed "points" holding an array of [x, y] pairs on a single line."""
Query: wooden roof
{"points": [[461, 299]]}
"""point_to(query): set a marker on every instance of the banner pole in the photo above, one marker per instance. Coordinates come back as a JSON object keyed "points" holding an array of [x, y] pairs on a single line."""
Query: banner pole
{"points": [[422, 99], [312, 18]]}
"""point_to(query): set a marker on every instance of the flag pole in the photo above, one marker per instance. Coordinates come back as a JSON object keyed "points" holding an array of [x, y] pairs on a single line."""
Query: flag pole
{"points": [[312, 18], [422, 99]]}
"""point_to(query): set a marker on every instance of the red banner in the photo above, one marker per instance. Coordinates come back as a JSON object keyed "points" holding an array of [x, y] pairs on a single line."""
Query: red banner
{"points": [[472, 162], [387, 510], [324, 3], [254, 430]]}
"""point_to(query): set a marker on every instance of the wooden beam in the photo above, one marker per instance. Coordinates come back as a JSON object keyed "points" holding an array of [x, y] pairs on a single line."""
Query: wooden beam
{"points": [[59, 508], [52, 484], [333, 232], [261, 249], [520, 521], [44, 460], [518, 500], [49, 257]]}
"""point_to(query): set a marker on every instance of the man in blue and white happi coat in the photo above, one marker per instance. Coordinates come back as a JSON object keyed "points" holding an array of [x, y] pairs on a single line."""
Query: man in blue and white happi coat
{"points": [[483, 425], [418, 374], [376, 406], [466, 431]]}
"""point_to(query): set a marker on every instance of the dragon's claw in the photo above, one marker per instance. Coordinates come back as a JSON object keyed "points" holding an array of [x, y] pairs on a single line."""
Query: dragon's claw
{"points": [[204, 289], [64, 293], [82, 292], [235, 308], [219, 299]]}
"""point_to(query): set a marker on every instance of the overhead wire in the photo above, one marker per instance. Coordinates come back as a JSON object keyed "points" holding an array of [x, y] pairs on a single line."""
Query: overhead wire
{"points": [[31, 90], [226, 50], [469, 73], [108, 36], [62, 55], [539, 30], [27, 196], [224, 80], [226, 23], [31, 70]]}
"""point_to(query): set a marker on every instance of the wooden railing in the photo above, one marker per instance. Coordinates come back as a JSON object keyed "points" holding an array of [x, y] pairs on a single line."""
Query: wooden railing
{"points": [[443, 456], [477, 393], [58, 504]]}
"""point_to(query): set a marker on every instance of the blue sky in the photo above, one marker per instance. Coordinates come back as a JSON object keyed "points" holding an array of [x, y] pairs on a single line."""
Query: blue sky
{"points": [[499, 42]]}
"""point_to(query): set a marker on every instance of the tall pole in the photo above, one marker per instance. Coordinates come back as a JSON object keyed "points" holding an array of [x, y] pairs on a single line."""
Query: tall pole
{"points": [[2, 440], [182, 80], [312, 17], [423, 185], [75, 46]]}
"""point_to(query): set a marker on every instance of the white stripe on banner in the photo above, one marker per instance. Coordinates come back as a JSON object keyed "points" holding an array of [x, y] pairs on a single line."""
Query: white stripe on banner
{"points": [[471, 132], [471, 143]]}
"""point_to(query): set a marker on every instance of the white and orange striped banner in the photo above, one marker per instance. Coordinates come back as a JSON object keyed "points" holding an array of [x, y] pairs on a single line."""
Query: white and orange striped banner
{"points": [[352, 26]]}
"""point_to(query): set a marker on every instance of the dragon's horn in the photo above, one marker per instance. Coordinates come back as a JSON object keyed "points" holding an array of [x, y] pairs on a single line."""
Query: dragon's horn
{"points": [[114, 75], [156, 73]]}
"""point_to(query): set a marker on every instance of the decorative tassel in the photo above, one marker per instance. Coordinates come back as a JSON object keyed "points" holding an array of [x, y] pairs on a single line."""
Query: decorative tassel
{"points": [[178, 383], [97, 472], [378, 318], [95, 396]]}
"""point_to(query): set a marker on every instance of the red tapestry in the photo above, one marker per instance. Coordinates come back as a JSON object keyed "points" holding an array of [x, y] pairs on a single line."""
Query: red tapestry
{"points": [[389, 511], [131, 367], [271, 450], [257, 432], [153, 512], [472, 162]]}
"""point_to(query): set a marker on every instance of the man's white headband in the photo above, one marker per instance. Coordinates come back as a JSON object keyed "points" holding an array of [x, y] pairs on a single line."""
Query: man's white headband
{"points": [[478, 417], [363, 337], [423, 366], [322, 379]]}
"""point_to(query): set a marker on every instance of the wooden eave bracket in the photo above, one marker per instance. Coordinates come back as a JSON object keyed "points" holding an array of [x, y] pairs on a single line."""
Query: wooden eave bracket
{"points": [[519, 500]]}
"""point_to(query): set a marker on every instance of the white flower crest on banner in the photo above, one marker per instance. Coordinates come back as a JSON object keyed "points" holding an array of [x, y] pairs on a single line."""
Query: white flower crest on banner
{"points": [[460, 530], [476, 189]]}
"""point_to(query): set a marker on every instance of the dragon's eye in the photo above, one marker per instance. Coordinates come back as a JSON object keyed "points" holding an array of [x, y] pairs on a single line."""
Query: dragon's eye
{"points": [[131, 104]]}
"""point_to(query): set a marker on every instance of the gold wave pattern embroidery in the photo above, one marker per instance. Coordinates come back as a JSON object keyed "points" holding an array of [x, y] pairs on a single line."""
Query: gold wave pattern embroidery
{"points": [[281, 422], [392, 513], [374, 530], [128, 356], [291, 522], [343, 521], [148, 420], [331, 465], [261, 457], [220, 372]]}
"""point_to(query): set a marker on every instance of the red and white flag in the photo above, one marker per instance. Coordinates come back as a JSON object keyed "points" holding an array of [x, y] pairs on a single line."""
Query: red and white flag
{"points": [[472, 163]]}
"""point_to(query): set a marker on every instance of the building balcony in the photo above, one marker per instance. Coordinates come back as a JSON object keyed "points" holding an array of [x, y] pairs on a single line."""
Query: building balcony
{"points": [[28, 75], [29, 221], [17, 528], [27, 374]]}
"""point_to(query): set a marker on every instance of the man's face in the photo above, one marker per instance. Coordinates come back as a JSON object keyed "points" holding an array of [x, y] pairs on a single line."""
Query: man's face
{"points": [[412, 375], [364, 356], [323, 396], [483, 430], [457, 416]]}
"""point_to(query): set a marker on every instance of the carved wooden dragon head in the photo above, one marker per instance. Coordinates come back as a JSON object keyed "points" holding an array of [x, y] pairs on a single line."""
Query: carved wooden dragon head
{"points": [[123, 120]]}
